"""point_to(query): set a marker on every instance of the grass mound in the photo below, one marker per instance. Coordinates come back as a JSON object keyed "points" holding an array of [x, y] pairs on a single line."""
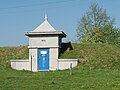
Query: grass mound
{"points": [[95, 56], [8, 53], [91, 56]]}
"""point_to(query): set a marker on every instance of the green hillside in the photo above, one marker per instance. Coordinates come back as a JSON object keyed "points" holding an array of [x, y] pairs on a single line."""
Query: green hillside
{"points": [[95, 56], [98, 69], [91, 56], [8, 53]]}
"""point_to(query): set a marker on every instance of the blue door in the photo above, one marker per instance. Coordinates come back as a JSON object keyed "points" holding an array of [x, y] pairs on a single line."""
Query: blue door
{"points": [[43, 59]]}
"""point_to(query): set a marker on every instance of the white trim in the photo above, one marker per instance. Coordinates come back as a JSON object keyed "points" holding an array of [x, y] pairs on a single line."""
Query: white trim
{"points": [[32, 47], [19, 60], [65, 60]]}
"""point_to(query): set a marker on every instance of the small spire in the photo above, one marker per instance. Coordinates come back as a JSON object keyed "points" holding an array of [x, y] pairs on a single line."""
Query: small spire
{"points": [[46, 18]]}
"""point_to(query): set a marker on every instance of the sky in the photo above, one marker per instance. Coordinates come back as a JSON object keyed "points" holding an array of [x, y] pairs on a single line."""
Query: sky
{"points": [[20, 16]]}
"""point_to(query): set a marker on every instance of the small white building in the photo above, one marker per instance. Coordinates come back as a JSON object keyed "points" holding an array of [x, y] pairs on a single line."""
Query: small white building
{"points": [[44, 47]]}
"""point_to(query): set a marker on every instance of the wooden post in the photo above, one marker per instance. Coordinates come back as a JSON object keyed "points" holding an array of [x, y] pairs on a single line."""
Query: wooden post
{"points": [[70, 69], [31, 62]]}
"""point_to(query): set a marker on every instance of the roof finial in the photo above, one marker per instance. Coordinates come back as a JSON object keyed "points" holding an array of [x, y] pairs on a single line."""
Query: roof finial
{"points": [[46, 18]]}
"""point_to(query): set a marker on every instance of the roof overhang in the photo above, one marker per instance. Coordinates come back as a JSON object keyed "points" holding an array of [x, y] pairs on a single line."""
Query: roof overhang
{"points": [[58, 33]]}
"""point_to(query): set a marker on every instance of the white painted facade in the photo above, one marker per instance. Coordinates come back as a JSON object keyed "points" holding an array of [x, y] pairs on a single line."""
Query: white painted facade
{"points": [[44, 36], [43, 41], [65, 63], [21, 64]]}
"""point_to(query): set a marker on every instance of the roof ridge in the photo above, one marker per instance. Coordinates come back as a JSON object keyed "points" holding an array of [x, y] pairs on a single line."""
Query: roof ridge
{"points": [[45, 26]]}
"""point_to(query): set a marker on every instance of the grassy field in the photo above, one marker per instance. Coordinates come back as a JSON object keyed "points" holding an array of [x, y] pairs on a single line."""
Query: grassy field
{"points": [[59, 80], [98, 70]]}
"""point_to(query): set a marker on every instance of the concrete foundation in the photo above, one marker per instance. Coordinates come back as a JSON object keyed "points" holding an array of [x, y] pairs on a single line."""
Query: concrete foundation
{"points": [[60, 64]]}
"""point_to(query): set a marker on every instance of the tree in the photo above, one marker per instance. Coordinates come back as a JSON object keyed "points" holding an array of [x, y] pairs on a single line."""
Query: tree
{"points": [[97, 27]]}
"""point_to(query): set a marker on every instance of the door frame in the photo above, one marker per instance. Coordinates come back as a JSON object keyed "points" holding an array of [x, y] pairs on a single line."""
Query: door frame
{"points": [[48, 59]]}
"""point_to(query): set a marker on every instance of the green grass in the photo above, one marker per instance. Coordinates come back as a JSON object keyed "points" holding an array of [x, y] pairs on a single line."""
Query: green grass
{"points": [[90, 74], [95, 56], [59, 80]]}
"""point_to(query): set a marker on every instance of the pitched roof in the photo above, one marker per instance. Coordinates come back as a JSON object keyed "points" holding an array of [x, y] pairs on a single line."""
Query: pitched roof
{"points": [[44, 27]]}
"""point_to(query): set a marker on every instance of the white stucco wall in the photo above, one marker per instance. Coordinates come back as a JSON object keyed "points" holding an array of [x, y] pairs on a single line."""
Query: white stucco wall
{"points": [[53, 59], [65, 63], [33, 55], [44, 41], [26, 64], [20, 64], [50, 42], [59, 64]]}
